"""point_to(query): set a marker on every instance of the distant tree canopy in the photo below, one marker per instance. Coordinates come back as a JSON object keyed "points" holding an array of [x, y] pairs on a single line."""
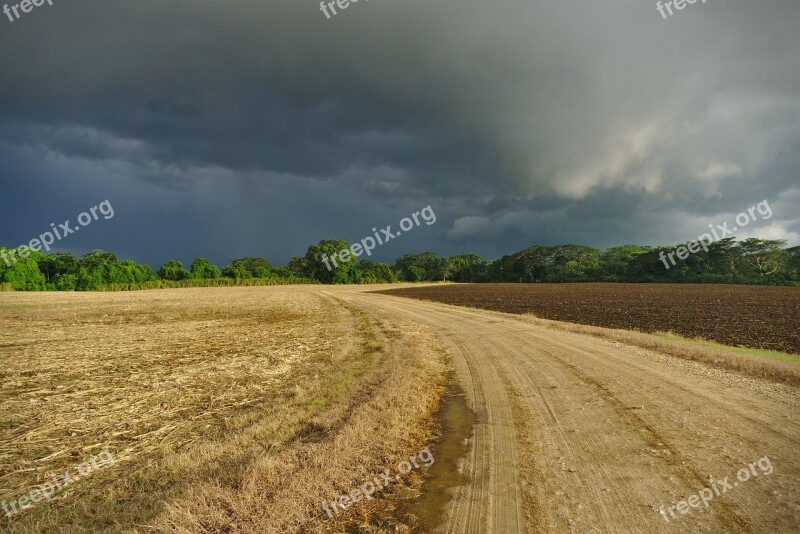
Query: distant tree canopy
{"points": [[202, 268], [752, 261], [324, 262], [376, 273], [62, 271], [173, 270], [244, 268]]}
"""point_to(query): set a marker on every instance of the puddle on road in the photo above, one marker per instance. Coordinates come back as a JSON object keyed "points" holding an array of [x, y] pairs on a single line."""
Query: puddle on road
{"points": [[457, 422]]}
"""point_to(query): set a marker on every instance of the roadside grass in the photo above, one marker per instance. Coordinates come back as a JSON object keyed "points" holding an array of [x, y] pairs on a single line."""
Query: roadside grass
{"points": [[206, 282], [342, 448], [202, 397], [771, 354], [5, 286], [785, 368]]}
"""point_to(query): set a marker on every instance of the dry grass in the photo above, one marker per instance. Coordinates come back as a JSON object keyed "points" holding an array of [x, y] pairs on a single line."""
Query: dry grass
{"points": [[283, 492], [207, 282], [203, 397]]}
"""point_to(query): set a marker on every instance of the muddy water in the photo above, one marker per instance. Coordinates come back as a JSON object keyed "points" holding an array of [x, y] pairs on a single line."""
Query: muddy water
{"points": [[457, 422]]}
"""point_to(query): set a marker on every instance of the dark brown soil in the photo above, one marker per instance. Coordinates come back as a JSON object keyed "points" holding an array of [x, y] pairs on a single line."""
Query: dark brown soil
{"points": [[748, 316]]}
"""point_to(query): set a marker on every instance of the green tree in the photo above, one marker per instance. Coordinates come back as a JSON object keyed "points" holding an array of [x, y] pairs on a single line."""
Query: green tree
{"points": [[95, 270], [375, 272], [444, 269], [467, 267], [173, 270], [574, 262], [24, 275], [299, 267], [415, 274], [764, 257], [66, 282], [326, 265], [647, 266], [614, 261], [236, 271], [425, 266], [53, 266], [534, 264], [794, 263], [98, 259], [202, 268], [250, 268], [722, 258]]}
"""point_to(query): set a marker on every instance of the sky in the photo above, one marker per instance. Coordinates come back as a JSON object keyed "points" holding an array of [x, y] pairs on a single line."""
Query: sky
{"points": [[258, 127]]}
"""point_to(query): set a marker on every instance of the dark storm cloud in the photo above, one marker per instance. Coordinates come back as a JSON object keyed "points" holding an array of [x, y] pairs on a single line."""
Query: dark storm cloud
{"points": [[253, 127]]}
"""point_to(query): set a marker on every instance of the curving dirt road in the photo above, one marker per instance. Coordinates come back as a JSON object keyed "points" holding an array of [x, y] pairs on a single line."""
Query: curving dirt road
{"points": [[579, 434]]}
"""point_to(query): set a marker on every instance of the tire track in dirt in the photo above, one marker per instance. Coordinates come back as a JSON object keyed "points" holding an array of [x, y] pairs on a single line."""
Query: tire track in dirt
{"points": [[490, 502], [467, 503], [651, 435]]}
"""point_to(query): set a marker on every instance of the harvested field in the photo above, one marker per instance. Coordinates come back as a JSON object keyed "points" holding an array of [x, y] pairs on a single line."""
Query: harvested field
{"points": [[225, 409], [746, 316]]}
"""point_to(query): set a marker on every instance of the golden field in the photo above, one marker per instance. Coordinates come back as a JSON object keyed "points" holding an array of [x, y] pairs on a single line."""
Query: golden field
{"points": [[226, 409]]}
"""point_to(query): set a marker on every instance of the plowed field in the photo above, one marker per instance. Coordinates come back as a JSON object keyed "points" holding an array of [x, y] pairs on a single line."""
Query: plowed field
{"points": [[747, 316]]}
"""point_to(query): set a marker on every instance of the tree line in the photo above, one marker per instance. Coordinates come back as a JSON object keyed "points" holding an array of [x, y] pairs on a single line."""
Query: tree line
{"points": [[752, 261]]}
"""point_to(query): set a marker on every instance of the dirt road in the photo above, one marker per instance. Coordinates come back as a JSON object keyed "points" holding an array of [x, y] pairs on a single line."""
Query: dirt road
{"points": [[579, 434]]}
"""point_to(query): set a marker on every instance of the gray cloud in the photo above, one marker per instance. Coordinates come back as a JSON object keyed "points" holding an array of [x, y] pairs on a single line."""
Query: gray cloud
{"points": [[538, 122]]}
